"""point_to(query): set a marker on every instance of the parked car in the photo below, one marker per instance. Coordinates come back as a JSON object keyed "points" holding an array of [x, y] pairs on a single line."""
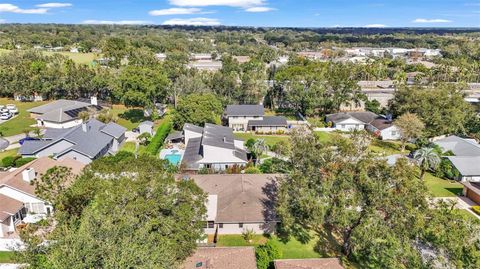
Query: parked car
{"points": [[5, 116], [4, 110], [12, 109], [21, 141]]}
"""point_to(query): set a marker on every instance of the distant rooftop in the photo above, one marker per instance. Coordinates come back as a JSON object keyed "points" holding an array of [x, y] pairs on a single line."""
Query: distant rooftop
{"points": [[244, 110]]}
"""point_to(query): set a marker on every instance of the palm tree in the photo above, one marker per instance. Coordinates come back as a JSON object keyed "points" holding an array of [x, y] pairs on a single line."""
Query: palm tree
{"points": [[258, 148], [427, 158]]}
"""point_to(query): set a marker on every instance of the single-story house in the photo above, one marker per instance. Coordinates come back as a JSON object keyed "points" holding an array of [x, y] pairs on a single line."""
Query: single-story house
{"points": [[18, 201], [212, 147], [222, 258], [85, 143], [239, 202], [467, 166], [62, 113], [146, 127], [315, 263], [379, 125], [252, 118]]}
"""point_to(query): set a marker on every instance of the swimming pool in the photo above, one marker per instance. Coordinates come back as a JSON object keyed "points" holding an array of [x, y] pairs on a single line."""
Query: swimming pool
{"points": [[173, 158]]}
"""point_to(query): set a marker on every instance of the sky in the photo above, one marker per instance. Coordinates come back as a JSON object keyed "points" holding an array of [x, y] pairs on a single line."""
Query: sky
{"points": [[274, 13]]}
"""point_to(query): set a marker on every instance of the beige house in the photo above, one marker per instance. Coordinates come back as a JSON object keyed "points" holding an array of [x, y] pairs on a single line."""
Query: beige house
{"points": [[252, 118], [222, 258], [239, 202]]}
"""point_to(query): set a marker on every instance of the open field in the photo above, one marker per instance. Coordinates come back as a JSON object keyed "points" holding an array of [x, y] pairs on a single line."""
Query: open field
{"points": [[22, 121], [441, 187], [81, 58]]}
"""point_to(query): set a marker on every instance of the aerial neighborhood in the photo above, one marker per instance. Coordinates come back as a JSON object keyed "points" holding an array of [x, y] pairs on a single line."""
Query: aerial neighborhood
{"points": [[215, 147]]}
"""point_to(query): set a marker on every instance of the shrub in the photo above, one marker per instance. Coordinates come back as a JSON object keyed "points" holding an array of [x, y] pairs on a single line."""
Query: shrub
{"points": [[476, 209], [275, 165], [157, 140], [252, 170], [266, 254], [9, 161], [22, 161], [248, 235]]}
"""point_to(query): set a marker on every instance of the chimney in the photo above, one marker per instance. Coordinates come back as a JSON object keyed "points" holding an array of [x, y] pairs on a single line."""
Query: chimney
{"points": [[93, 101], [28, 174], [84, 126]]}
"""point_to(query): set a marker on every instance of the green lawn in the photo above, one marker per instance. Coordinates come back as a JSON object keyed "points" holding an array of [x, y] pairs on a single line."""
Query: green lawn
{"points": [[6, 153], [324, 136], [385, 147], [292, 249], [22, 121], [6, 256], [128, 117], [130, 147], [442, 188], [269, 139]]}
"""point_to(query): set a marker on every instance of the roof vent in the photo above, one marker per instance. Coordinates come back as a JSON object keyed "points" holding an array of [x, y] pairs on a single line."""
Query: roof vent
{"points": [[28, 174], [94, 101]]}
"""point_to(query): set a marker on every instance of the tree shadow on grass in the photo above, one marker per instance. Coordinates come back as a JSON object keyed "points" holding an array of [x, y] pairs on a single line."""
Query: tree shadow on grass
{"points": [[134, 115], [456, 191]]}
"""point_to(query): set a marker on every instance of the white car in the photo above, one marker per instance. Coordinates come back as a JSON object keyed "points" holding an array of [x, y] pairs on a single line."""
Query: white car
{"points": [[12, 109], [4, 110], [5, 116]]}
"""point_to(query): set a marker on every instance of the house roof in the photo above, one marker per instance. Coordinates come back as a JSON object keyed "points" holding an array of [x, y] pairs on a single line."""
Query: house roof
{"points": [[472, 186], [269, 121], [15, 180], [221, 258], [365, 117], [193, 128], [241, 197], [244, 110], [218, 136], [459, 146], [322, 263], [8, 207], [381, 123], [62, 110], [89, 143], [466, 165], [114, 129], [192, 153], [147, 122]]}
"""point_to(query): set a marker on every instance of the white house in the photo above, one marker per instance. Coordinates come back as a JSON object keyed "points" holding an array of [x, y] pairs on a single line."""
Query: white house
{"points": [[62, 113], [252, 118], [379, 125], [239, 202], [85, 143], [212, 147], [18, 201]]}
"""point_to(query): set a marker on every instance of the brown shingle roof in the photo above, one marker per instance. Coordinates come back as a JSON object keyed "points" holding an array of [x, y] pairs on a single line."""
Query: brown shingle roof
{"points": [[8, 207], [222, 258], [15, 180], [241, 197], [324, 263]]}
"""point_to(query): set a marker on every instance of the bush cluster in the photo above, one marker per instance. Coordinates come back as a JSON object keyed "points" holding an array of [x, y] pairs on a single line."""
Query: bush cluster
{"points": [[15, 161], [157, 140]]}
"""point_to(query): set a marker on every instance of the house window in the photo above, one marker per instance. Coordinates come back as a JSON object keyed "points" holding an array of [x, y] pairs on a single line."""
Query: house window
{"points": [[220, 225], [394, 133], [342, 126], [211, 224], [240, 225]]}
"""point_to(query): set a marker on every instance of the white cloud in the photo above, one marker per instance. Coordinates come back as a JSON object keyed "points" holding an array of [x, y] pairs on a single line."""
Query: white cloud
{"points": [[430, 21], [54, 5], [230, 3], [124, 22], [259, 9], [193, 21], [14, 9], [375, 25], [175, 11], [3, 20]]}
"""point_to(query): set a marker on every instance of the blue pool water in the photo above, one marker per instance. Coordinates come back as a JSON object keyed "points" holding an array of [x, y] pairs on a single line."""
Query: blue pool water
{"points": [[173, 158]]}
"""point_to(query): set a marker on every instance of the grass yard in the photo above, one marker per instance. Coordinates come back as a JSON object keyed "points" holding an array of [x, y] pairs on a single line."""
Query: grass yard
{"points": [[292, 249], [442, 188], [130, 147], [325, 136], [6, 256], [269, 139], [385, 147], [12, 152], [22, 121], [128, 117]]}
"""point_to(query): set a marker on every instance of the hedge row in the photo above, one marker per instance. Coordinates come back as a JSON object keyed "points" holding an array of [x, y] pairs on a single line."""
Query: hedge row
{"points": [[476, 209], [157, 140], [15, 161]]}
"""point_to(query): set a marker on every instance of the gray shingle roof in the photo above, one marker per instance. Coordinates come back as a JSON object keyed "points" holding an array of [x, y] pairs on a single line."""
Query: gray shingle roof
{"points": [[218, 136], [147, 122], [193, 128], [269, 121], [192, 153], [89, 143], [459, 146], [466, 165], [365, 117], [62, 110], [114, 129], [244, 110]]}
